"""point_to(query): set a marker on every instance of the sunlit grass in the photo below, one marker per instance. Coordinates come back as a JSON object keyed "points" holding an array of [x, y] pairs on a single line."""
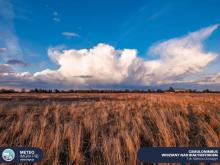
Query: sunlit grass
{"points": [[110, 129]]}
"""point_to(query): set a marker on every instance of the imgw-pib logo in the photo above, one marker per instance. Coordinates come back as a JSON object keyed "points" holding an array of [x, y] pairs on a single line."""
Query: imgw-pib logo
{"points": [[8, 155]]}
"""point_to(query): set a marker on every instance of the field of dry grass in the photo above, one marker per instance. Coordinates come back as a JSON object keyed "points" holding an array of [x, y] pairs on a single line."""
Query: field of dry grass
{"points": [[107, 128]]}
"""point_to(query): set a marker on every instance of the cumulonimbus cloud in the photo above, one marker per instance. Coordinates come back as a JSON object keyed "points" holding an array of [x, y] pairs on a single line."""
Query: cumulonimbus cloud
{"points": [[175, 59]]}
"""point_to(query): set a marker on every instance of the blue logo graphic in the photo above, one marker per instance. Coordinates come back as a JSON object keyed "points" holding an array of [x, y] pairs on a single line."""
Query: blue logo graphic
{"points": [[8, 155]]}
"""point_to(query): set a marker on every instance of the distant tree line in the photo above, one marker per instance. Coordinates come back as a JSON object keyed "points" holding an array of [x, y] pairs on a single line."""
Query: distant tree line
{"points": [[8, 91], [169, 90]]}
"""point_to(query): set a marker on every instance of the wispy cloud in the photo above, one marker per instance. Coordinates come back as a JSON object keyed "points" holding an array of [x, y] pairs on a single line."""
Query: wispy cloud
{"points": [[22, 13], [158, 13], [3, 50], [70, 34], [17, 62], [7, 32], [4, 68], [56, 17], [55, 13], [84, 76], [210, 79]]}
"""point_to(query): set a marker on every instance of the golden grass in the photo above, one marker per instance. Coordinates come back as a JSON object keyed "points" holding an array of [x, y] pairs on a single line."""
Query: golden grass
{"points": [[107, 128]]}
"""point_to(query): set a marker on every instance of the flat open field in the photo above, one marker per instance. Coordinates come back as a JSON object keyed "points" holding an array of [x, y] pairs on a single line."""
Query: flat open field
{"points": [[107, 128]]}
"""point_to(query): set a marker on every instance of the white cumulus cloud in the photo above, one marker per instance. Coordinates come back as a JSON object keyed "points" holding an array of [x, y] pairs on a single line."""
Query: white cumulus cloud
{"points": [[100, 65]]}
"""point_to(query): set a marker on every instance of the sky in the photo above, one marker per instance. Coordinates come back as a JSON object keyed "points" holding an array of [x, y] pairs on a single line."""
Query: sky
{"points": [[109, 44]]}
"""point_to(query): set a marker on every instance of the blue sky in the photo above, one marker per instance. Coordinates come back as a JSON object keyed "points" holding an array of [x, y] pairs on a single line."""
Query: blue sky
{"points": [[36, 26]]}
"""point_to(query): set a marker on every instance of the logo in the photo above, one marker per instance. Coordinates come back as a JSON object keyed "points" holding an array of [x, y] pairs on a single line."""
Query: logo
{"points": [[8, 155]]}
